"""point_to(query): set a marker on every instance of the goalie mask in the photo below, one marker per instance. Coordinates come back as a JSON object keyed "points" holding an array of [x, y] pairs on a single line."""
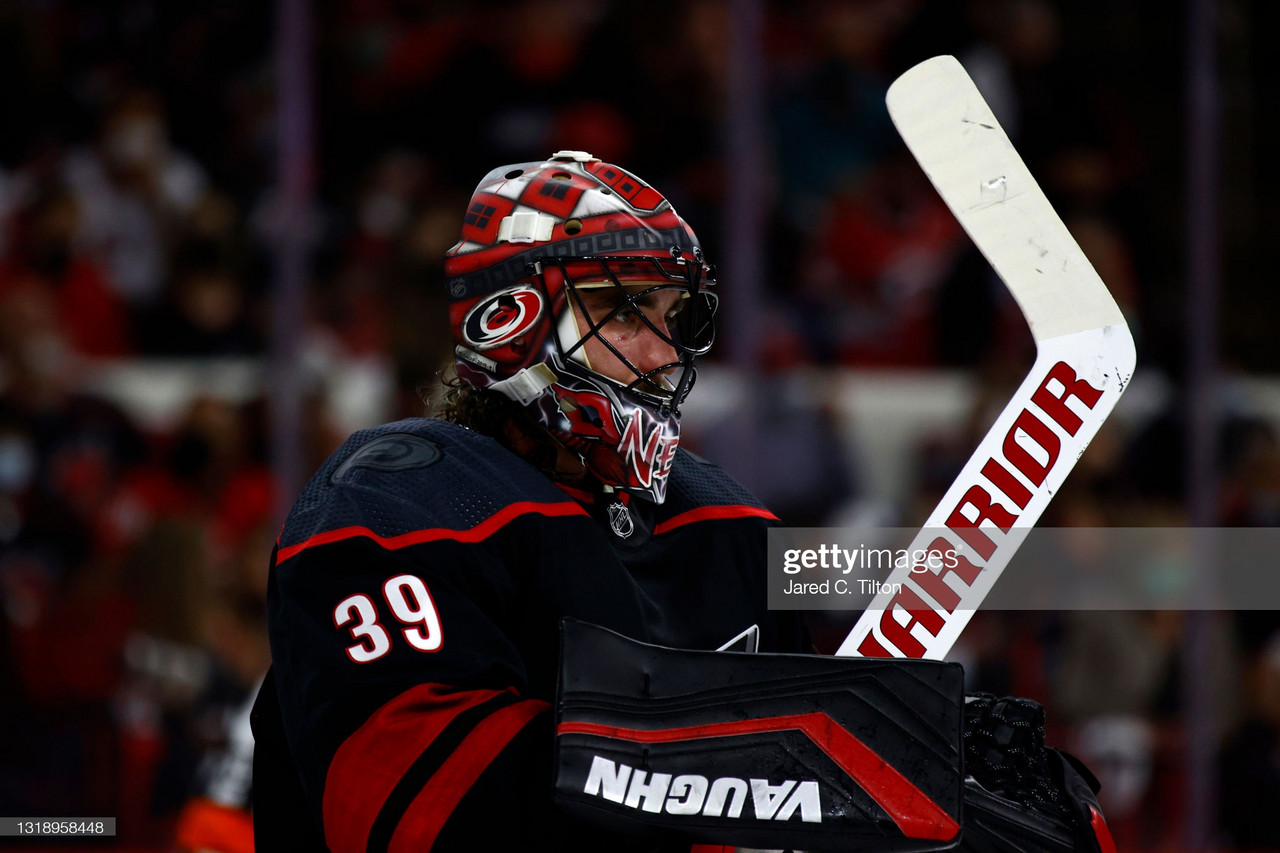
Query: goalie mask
{"points": [[578, 292]]}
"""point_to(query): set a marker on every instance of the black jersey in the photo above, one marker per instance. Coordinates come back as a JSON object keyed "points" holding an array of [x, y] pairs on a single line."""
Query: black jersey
{"points": [[414, 603]]}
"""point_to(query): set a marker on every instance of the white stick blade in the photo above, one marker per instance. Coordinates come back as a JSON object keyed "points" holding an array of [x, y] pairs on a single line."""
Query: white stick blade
{"points": [[1085, 360], [956, 139]]}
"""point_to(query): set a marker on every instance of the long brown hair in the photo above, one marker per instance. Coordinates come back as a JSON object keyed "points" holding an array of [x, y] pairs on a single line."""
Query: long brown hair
{"points": [[489, 413]]}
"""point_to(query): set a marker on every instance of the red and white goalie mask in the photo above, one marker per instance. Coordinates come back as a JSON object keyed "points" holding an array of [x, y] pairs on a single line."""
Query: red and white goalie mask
{"points": [[577, 291]]}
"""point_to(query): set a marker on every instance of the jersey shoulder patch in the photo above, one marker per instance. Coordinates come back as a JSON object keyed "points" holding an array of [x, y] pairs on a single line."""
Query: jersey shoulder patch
{"points": [[420, 475], [398, 451]]}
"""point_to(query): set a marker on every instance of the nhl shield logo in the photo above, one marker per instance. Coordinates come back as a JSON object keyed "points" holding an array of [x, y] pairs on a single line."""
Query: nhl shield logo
{"points": [[620, 520]]}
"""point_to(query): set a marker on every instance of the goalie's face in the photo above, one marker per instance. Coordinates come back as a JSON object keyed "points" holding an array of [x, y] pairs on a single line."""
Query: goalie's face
{"points": [[633, 339], [635, 323]]}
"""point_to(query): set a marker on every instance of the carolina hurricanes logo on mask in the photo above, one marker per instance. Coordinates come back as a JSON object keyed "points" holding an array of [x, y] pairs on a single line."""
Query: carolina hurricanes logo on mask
{"points": [[502, 317], [649, 452]]}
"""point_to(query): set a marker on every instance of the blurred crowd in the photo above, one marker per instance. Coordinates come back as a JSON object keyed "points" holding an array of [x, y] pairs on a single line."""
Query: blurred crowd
{"points": [[137, 164]]}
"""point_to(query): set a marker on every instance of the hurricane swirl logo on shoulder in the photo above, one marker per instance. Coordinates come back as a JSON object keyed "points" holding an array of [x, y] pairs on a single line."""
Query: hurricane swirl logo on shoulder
{"points": [[502, 317]]}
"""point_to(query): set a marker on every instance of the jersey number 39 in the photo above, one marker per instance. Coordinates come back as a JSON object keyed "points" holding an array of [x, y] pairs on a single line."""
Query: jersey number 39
{"points": [[409, 601]]}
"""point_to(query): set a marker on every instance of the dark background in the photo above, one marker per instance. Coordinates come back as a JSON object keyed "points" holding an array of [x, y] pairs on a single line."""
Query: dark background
{"points": [[138, 225]]}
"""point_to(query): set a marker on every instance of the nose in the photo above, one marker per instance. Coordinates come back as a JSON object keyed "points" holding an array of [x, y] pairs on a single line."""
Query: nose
{"points": [[652, 352]]}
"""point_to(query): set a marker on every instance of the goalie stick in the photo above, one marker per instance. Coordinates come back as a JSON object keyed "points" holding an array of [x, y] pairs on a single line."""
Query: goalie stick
{"points": [[1084, 360]]}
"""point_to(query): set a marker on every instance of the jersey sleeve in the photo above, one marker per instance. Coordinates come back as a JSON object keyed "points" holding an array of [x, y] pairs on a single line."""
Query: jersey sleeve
{"points": [[396, 687], [411, 666]]}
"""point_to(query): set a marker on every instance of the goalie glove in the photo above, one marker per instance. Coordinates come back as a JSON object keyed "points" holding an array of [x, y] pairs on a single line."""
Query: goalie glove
{"points": [[758, 750], [1020, 796]]}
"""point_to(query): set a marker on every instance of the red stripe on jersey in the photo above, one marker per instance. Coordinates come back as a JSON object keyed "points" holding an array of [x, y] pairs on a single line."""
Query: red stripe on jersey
{"points": [[915, 813], [706, 513], [370, 762], [481, 531], [428, 812]]}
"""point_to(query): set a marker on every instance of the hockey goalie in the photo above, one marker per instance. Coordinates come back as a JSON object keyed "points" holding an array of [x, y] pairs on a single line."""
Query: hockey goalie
{"points": [[534, 620]]}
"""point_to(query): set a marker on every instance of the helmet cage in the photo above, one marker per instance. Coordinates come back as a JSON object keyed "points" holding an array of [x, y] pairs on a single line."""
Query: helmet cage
{"points": [[689, 333]]}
